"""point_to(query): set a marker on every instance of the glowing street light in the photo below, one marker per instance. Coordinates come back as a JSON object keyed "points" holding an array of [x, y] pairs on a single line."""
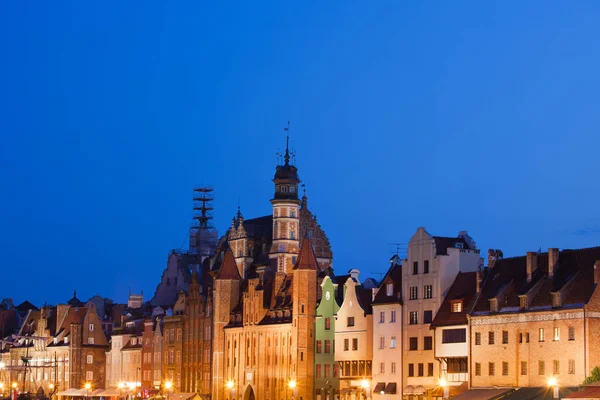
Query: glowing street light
{"points": [[444, 385], [230, 385], [14, 385], [293, 385], [168, 385], [553, 383], [366, 385]]}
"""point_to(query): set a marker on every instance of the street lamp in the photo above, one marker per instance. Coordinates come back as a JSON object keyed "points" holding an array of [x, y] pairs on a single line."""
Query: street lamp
{"points": [[444, 385], [168, 385], [231, 386], [366, 385], [293, 385], [553, 383], [87, 387]]}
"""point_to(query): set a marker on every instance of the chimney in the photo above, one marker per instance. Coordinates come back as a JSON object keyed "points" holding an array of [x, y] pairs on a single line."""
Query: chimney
{"points": [[597, 272], [552, 261], [493, 256], [531, 264]]}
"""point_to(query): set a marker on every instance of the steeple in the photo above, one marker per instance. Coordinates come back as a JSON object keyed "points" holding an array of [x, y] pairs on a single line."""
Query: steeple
{"points": [[287, 145], [286, 176], [307, 259], [228, 269]]}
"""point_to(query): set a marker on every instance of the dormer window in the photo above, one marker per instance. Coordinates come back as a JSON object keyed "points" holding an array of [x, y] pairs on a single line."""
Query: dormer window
{"points": [[55, 340], [456, 306], [389, 289]]}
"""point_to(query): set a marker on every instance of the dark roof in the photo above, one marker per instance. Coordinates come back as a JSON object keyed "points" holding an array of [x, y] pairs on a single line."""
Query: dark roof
{"points": [[508, 275], [443, 243], [538, 393], [463, 288], [261, 226], [229, 269], [393, 276], [286, 172], [26, 306], [365, 298], [306, 259], [75, 302]]}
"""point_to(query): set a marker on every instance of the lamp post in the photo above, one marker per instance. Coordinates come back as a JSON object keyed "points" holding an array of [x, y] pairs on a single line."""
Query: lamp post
{"points": [[293, 385], [444, 385], [51, 387], [366, 385], [169, 386], [553, 383], [87, 387], [14, 391], [230, 385]]}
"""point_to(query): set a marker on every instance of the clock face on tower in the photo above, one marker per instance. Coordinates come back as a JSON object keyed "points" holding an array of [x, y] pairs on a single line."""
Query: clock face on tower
{"points": [[327, 295]]}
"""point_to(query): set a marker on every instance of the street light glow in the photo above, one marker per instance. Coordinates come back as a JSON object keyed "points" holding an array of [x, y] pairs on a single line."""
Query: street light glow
{"points": [[2, 365], [121, 385], [443, 382], [168, 385], [292, 384], [51, 386], [88, 386], [552, 382], [365, 384], [229, 384], [14, 385]]}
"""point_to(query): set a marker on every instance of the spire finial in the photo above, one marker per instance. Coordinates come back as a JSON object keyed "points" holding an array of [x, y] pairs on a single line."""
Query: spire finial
{"points": [[287, 144]]}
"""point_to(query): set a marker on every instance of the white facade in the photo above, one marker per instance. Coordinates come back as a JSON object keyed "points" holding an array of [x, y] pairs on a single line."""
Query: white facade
{"points": [[387, 349], [444, 351], [353, 342], [114, 362]]}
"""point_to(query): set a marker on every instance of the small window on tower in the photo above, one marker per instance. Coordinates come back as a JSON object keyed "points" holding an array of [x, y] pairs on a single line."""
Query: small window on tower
{"points": [[292, 189], [293, 213], [293, 260], [284, 189]]}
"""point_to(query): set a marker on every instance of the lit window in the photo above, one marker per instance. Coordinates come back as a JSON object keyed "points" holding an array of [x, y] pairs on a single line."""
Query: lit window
{"points": [[541, 334], [571, 333], [556, 334], [393, 342], [91, 340], [389, 289], [90, 359], [91, 327], [427, 291], [414, 293], [457, 306], [414, 317]]}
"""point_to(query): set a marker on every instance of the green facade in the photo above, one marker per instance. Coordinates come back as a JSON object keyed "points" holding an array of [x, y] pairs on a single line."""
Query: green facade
{"points": [[327, 385]]}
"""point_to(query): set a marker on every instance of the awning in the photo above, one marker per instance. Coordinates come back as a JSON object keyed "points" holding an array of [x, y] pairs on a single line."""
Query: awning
{"points": [[419, 390], [453, 390], [482, 394], [538, 393], [111, 392], [409, 389], [380, 387], [73, 392], [181, 396], [390, 388], [590, 392]]}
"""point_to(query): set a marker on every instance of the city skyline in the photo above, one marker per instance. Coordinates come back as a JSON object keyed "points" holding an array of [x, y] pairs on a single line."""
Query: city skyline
{"points": [[477, 117]]}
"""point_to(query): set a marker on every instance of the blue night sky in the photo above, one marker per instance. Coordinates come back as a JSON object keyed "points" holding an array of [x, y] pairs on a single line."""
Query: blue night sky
{"points": [[479, 116]]}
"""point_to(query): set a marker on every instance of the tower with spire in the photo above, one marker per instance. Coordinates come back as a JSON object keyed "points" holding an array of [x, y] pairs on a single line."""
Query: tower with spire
{"points": [[286, 215]]}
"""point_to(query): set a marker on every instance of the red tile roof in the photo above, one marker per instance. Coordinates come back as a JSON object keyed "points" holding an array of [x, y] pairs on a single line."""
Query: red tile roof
{"points": [[463, 289], [306, 259], [229, 269]]}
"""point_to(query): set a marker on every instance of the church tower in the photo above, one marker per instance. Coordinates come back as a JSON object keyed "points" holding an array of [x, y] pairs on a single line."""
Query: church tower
{"points": [[286, 215]]}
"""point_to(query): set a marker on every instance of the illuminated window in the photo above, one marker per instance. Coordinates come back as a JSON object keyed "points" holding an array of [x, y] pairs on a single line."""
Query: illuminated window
{"points": [[556, 334], [457, 306]]}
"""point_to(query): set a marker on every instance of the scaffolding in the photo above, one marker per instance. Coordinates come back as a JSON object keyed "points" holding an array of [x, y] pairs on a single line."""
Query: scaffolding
{"points": [[203, 235]]}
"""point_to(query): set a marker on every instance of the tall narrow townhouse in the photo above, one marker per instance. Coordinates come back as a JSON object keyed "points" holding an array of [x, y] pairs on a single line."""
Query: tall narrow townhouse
{"points": [[354, 339], [387, 336], [537, 318], [172, 345], [450, 332], [430, 269], [327, 384]]}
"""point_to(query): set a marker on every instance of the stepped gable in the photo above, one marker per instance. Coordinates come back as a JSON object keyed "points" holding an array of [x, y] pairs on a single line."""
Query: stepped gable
{"points": [[574, 276], [306, 259], [228, 270], [464, 288]]}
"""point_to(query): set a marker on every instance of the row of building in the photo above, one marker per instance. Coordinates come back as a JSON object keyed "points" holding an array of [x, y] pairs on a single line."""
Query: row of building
{"points": [[260, 313]]}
